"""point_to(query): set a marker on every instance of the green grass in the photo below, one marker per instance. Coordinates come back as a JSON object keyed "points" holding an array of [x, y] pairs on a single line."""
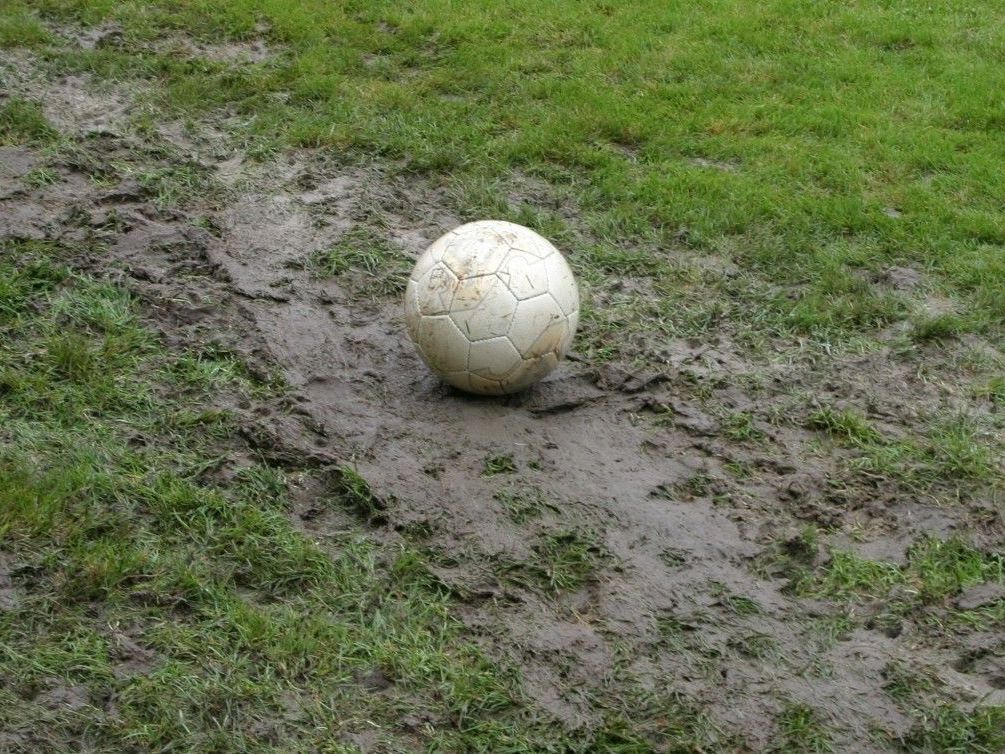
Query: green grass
{"points": [[947, 728], [363, 254], [846, 425], [499, 463], [780, 135], [561, 561], [802, 731], [524, 502], [952, 451], [935, 570], [194, 602], [22, 122]]}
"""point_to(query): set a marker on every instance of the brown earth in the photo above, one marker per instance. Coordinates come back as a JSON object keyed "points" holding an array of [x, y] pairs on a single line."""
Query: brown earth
{"points": [[681, 513]]}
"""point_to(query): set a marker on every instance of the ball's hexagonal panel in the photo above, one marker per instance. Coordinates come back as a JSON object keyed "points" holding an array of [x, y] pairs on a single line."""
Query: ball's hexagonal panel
{"points": [[533, 244], [434, 291], [524, 274], [492, 315], [533, 318], [484, 386], [412, 314], [476, 249], [530, 371], [443, 347], [562, 283], [493, 359], [461, 379]]}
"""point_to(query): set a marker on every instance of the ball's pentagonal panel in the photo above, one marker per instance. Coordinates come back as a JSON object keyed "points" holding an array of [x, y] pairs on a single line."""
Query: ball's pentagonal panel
{"points": [[443, 347], [493, 359], [534, 317], [524, 274], [562, 283], [491, 316], [492, 307], [435, 290]]}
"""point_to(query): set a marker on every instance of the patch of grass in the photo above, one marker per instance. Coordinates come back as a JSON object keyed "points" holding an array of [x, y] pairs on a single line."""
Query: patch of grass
{"points": [[799, 196], [179, 185], [756, 646], [849, 575], [946, 567], [947, 728], [212, 367], [22, 122], [802, 731], [829, 630], [41, 177], [378, 265], [190, 598], [993, 390], [524, 502], [846, 425], [499, 463], [735, 603], [904, 685], [951, 453], [935, 569], [562, 561], [353, 492], [939, 327], [740, 427], [19, 27]]}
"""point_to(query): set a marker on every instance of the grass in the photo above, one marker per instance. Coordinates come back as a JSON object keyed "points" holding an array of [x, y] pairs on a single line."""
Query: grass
{"points": [[795, 99], [374, 264], [953, 451], [561, 561], [801, 730], [22, 121], [737, 174], [524, 502], [194, 603], [353, 493], [499, 463], [846, 425], [935, 570], [946, 728]]}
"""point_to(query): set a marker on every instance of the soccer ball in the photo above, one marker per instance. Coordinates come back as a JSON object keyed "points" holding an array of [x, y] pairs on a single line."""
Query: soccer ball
{"points": [[492, 307]]}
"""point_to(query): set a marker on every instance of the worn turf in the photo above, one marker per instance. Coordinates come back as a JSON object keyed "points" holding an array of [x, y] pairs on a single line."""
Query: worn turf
{"points": [[803, 199]]}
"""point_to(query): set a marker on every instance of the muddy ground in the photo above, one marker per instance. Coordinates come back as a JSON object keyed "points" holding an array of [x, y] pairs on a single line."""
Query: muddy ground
{"points": [[682, 512]]}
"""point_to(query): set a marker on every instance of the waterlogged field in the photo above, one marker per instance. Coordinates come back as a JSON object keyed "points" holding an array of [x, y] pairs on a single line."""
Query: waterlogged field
{"points": [[760, 508]]}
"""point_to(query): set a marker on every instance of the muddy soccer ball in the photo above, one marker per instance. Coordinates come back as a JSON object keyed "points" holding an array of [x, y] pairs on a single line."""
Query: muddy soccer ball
{"points": [[492, 307]]}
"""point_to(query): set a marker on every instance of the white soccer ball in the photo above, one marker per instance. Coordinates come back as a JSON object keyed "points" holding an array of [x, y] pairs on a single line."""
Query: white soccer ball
{"points": [[492, 307]]}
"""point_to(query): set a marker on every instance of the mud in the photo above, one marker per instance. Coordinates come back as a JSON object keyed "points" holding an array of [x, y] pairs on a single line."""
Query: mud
{"points": [[638, 458]]}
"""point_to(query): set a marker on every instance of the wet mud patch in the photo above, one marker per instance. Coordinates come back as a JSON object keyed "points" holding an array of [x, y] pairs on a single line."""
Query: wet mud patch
{"points": [[623, 548]]}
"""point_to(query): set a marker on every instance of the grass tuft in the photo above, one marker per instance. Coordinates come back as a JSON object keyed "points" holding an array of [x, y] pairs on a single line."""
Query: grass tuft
{"points": [[22, 122]]}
